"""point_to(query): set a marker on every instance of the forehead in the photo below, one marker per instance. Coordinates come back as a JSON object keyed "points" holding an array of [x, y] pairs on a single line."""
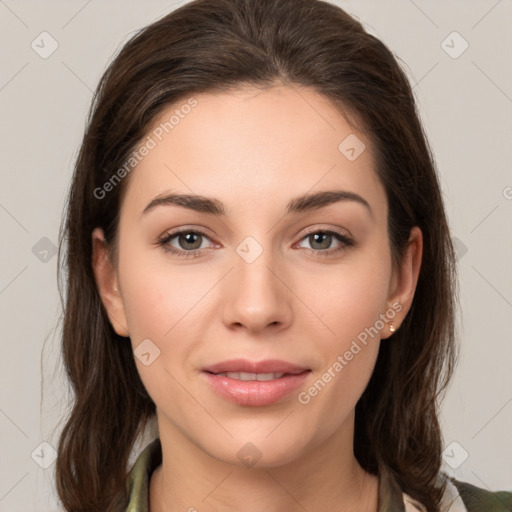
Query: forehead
{"points": [[251, 146]]}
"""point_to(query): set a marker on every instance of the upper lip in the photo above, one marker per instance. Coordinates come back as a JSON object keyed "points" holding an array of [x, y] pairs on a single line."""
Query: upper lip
{"points": [[246, 366]]}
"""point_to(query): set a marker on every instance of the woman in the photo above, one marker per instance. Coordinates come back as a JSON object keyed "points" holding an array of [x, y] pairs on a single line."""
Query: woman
{"points": [[294, 354]]}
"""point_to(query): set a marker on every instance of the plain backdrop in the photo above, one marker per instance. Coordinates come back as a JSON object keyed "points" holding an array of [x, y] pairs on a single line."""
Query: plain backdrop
{"points": [[457, 55]]}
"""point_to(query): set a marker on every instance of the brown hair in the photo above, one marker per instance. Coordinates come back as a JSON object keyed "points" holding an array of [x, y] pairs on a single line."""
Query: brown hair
{"points": [[215, 46]]}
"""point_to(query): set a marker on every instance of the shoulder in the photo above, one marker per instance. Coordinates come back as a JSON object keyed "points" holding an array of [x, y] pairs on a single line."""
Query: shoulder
{"points": [[462, 496], [477, 499]]}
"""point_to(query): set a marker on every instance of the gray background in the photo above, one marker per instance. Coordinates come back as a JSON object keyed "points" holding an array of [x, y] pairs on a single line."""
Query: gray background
{"points": [[465, 104]]}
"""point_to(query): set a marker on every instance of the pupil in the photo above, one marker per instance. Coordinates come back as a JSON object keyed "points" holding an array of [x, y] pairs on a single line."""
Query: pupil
{"points": [[189, 239], [320, 235]]}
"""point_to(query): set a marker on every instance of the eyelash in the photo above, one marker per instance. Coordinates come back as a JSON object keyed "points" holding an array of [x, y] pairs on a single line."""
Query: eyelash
{"points": [[195, 253]]}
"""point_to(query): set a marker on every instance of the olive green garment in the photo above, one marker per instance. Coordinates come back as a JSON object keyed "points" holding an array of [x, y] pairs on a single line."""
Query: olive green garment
{"points": [[459, 496]]}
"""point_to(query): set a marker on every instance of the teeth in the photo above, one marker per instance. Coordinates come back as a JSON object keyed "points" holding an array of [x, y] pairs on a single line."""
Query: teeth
{"points": [[251, 376]]}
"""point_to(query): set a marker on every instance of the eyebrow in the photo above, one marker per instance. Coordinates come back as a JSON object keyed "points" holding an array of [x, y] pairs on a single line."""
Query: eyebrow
{"points": [[307, 202]]}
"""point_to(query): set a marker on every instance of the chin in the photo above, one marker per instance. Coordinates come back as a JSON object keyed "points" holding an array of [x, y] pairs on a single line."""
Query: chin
{"points": [[258, 451]]}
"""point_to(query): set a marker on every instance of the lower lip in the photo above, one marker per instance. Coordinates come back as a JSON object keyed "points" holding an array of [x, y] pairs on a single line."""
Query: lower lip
{"points": [[255, 392]]}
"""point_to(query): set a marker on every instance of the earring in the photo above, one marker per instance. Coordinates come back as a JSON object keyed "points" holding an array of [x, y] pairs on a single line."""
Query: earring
{"points": [[115, 288], [392, 328]]}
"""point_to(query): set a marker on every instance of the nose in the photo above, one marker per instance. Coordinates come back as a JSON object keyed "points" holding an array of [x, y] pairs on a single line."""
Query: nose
{"points": [[257, 294]]}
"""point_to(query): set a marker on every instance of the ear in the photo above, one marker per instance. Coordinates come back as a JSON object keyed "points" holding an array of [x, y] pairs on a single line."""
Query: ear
{"points": [[107, 283], [404, 280]]}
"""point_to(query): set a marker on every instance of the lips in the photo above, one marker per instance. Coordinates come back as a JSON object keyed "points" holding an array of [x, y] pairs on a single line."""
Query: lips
{"points": [[257, 367], [253, 383]]}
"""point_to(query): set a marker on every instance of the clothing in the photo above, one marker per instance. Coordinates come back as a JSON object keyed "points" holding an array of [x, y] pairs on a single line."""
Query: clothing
{"points": [[459, 496]]}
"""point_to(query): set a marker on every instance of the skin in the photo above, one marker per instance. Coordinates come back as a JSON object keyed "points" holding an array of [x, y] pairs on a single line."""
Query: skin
{"points": [[255, 150]]}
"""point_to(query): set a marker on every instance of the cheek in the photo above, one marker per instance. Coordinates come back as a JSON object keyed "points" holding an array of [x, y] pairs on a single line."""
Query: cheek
{"points": [[147, 306], [164, 303], [350, 309], [157, 295], [349, 299], [159, 306]]}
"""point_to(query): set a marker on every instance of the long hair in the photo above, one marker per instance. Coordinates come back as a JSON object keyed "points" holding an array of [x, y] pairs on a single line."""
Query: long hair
{"points": [[217, 46]]}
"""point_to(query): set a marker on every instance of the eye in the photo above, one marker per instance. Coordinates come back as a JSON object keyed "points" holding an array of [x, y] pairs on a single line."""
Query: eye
{"points": [[189, 242], [321, 240]]}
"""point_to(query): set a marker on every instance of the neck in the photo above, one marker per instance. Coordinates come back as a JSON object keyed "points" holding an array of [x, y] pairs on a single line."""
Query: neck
{"points": [[190, 479]]}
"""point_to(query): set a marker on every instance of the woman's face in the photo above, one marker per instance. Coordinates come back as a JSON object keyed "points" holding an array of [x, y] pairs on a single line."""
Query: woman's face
{"points": [[266, 279]]}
